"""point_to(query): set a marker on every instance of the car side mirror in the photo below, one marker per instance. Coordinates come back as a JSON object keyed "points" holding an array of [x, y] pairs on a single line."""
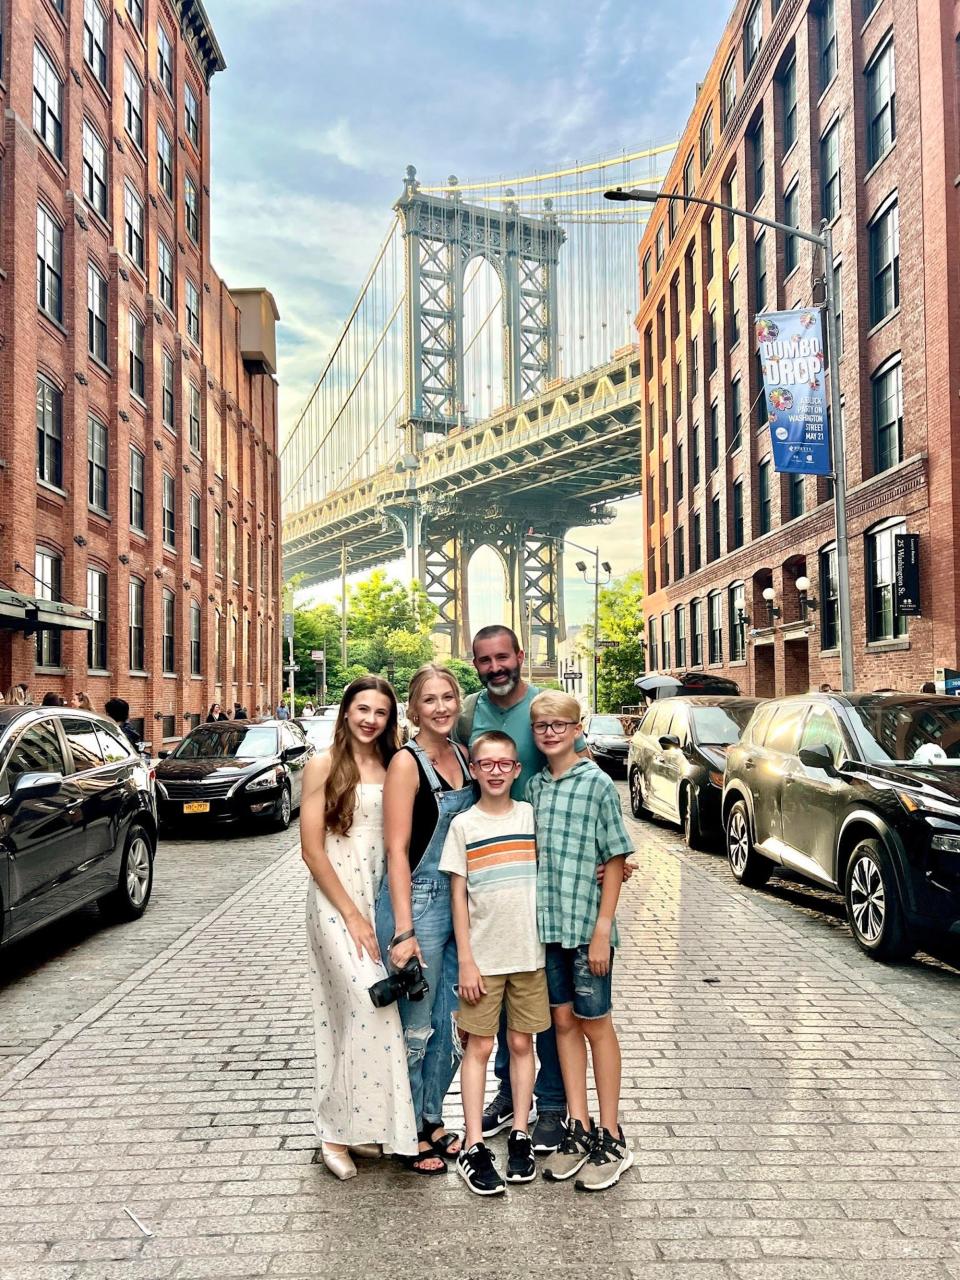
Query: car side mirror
{"points": [[293, 753], [818, 758], [162, 755], [668, 740], [35, 786]]}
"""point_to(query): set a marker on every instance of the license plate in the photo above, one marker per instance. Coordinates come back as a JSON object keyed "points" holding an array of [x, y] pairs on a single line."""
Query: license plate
{"points": [[197, 806]]}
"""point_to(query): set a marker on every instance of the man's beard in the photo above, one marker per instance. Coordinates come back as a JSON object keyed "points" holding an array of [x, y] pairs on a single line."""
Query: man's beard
{"points": [[505, 684]]}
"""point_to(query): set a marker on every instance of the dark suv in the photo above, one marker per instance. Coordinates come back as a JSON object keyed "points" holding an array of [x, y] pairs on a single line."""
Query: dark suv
{"points": [[861, 793], [78, 819]]}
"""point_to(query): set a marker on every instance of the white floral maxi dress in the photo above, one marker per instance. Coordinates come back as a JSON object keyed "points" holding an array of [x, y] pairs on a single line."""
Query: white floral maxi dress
{"points": [[361, 1087]]}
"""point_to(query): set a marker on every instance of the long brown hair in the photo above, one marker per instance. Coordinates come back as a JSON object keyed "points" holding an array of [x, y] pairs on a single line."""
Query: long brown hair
{"points": [[344, 776]]}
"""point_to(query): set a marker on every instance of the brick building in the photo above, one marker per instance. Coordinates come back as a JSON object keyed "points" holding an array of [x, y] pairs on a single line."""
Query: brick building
{"points": [[811, 109], [139, 493]]}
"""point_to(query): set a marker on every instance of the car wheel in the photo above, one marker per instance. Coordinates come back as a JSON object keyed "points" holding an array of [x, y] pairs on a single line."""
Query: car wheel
{"points": [[749, 867], [874, 909], [284, 809], [692, 830], [135, 882], [636, 794]]}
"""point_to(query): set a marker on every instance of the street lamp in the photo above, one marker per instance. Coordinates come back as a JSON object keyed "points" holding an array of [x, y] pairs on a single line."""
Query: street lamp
{"points": [[824, 241], [769, 596], [806, 601], [596, 582]]}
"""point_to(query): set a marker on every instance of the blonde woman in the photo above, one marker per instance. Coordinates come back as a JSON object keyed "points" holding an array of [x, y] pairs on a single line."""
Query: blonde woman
{"points": [[361, 1097], [81, 702], [428, 783]]}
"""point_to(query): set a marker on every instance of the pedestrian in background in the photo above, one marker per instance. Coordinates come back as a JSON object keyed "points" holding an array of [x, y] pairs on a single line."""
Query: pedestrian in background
{"points": [[928, 687], [308, 712], [82, 702], [282, 712], [19, 696], [216, 713], [361, 1096], [118, 709], [51, 699]]}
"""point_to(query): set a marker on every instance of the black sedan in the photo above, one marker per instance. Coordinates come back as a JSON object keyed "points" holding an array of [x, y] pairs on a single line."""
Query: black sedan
{"points": [[859, 793], [676, 762], [607, 741], [233, 771], [78, 820]]}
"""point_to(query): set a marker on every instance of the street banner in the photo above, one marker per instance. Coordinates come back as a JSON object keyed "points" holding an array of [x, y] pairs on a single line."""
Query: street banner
{"points": [[906, 565], [790, 344]]}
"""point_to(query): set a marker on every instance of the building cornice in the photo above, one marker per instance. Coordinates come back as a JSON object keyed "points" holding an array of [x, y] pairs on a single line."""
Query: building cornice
{"points": [[198, 33]]}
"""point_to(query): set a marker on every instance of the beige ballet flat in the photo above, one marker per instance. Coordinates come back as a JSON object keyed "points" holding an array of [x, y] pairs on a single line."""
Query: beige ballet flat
{"points": [[338, 1162], [367, 1150]]}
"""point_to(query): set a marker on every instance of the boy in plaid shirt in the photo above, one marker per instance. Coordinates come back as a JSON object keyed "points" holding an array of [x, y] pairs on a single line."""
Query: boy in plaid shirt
{"points": [[580, 827]]}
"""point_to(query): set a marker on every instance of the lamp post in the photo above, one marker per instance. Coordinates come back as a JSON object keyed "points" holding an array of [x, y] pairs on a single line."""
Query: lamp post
{"points": [[824, 241], [596, 582]]}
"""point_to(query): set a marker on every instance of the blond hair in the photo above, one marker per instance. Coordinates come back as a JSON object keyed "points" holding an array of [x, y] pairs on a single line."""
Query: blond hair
{"points": [[555, 703]]}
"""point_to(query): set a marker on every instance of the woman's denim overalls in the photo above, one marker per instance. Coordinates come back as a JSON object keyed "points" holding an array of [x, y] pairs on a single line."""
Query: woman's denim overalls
{"points": [[433, 1047]]}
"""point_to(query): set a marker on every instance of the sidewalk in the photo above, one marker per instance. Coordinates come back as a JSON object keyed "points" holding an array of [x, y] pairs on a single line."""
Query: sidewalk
{"points": [[791, 1117]]}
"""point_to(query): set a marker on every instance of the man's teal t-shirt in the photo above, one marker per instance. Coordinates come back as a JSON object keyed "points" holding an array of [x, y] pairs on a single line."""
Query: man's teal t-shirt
{"points": [[515, 721]]}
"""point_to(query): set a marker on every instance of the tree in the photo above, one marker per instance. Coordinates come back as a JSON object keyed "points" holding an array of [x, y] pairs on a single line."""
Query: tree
{"points": [[317, 628], [621, 619], [466, 674], [380, 604]]}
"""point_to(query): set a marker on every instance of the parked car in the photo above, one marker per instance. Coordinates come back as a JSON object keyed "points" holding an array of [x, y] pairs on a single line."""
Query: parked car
{"points": [[234, 771], [78, 819], [608, 741], [685, 684], [861, 793], [676, 761], [318, 731]]}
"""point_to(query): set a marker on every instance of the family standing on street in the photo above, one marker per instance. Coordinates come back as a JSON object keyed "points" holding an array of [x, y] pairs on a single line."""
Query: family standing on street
{"points": [[464, 889]]}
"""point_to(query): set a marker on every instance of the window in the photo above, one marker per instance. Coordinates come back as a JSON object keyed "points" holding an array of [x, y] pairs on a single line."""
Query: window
{"points": [[96, 464], [165, 272], [715, 544], [168, 615], [665, 647], [706, 140], [47, 102], [96, 313], [689, 175], [194, 416], [195, 526], [760, 270], [191, 206], [868, 8], [133, 225], [97, 608], [218, 542], [788, 92], [169, 511], [48, 572], [193, 310], [830, 172], [672, 207], [658, 246], [883, 621], [95, 39], [736, 409], [133, 104], [236, 551], [728, 92], [169, 414], [696, 633], [690, 278], [708, 246], [164, 59], [195, 634], [884, 232], [680, 634], [652, 644], [795, 496], [829, 600], [217, 645], [235, 648], [263, 568], [135, 627], [49, 432], [37, 751], [679, 558], [752, 37], [713, 458], [730, 195], [694, 365], [734, 311], [783, 729], [646, 273], [888, 416], [738, 628], [696, 542], [164, 162], [94, 169], [714, 354], [737, 504], [764, 501], [49, 265], [827, 24], [715, 623], [678, 482], [135, 12], [136, 490], [191, 115], [881, 104], [137, 368], [758, 165], [838, 307], [695, 454], [791, 214]]}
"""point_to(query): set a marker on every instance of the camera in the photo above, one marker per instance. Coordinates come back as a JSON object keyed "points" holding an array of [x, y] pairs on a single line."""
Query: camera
{"points": [[408, 982]]}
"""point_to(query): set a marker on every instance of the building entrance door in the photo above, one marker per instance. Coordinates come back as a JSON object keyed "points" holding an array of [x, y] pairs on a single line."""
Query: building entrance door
{"points": [[764, 673], [796, 665]]}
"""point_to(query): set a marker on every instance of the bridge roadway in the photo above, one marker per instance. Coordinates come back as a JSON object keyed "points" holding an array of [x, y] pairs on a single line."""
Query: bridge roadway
{"points": [[558, 461]]}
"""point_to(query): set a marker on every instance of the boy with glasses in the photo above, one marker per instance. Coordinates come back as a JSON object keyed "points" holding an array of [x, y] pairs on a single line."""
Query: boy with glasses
{"points": [[579, 826], [491, 858]]}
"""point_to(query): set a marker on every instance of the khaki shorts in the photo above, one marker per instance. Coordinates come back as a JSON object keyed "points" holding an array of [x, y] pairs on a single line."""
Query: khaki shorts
{"points": [[525, 995]]}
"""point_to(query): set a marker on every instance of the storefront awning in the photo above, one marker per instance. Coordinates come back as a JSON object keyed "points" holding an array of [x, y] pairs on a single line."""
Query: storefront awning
{"points": [[20, 612]]}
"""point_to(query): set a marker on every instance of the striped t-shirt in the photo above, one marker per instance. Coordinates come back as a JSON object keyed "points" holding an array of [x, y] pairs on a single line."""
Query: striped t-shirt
{"points": [[498, 856]]}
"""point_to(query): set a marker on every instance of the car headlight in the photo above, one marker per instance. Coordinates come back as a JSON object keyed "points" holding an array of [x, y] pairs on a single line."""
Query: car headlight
{"points": [[716, 778], [946, 844], [264, 781]]}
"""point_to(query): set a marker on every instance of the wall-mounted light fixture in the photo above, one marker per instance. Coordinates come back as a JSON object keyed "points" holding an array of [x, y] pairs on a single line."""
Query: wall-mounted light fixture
{"points": [[807, 602], [773, 612]]}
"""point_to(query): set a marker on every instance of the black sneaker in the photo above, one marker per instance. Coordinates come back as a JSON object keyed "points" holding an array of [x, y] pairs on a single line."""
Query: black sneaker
{"points": [[549, 1131], [497, 1116], [475, 1167], [610, 1157], [521, 1166]]}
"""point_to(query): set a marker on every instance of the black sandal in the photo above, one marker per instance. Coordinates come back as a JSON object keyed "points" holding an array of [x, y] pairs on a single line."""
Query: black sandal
{"points": [[412, 1163], [443, 1144]]}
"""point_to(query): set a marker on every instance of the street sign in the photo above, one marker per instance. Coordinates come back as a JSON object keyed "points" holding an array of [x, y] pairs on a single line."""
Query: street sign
{"points": [[288, 626], [906, 561], [608, 644], [294, 667], [317, 655]]}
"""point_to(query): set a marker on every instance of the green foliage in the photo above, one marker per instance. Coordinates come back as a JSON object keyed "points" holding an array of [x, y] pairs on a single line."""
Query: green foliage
{"points": [[466, 674], [621, 619], [379, 604]]}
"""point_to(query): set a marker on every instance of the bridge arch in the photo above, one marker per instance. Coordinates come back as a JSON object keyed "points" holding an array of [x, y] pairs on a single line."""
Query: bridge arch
{"points": [[485, 385]]}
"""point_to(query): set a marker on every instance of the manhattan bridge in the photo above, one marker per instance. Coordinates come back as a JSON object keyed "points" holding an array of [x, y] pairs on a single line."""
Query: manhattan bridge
{"points": [[485, 391]]}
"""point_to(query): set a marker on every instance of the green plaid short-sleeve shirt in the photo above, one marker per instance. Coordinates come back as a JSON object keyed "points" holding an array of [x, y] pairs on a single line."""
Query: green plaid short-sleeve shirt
{"points": [[579, 825]]}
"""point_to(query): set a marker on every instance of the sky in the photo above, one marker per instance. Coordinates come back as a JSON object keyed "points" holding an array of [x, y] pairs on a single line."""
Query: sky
{"points": [[325, 102]]}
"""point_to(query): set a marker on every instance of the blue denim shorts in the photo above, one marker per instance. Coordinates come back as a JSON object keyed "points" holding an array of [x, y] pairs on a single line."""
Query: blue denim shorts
{"points": [[569, 981]]}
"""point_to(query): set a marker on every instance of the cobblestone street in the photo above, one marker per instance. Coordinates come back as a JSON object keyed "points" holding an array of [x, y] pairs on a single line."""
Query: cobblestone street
{"points": [[794, 1107]]}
